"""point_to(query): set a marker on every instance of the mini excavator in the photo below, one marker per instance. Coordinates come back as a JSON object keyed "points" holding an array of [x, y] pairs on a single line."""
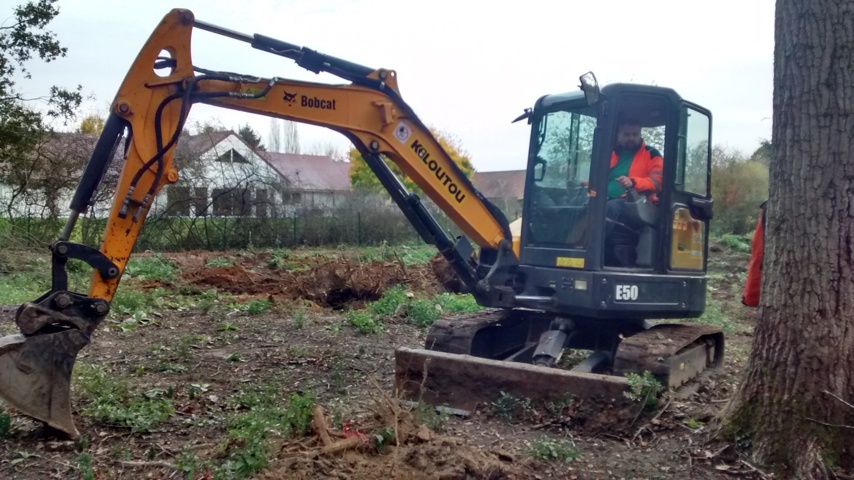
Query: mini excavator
{"points": [[548, 280]]}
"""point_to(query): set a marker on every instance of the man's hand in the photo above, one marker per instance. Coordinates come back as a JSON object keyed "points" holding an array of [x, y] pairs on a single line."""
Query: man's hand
{"points": [[625, 182]]}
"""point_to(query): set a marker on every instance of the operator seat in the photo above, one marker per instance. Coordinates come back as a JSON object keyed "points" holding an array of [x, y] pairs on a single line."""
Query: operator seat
{"points": [[632, 244]]}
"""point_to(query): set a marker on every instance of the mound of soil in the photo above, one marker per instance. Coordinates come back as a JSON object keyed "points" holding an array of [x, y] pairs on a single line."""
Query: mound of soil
{"points": [[436, 458], [445, 274], [413, 451], [331, 283]]}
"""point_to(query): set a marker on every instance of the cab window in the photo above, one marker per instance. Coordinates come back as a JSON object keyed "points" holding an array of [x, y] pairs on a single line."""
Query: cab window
{"points": [[560, 177]]}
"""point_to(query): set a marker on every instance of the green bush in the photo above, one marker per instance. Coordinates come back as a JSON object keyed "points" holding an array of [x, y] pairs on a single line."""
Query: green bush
{"points": [[740, 243], [739, 186], [391, 300]]}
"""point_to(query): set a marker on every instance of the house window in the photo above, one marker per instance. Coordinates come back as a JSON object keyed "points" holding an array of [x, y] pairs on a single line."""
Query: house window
{"points": [[200, 201], [232, 156], [222, 202], [243, 206], [232, 202], [178, 201], [261, 203], [292, 197]]}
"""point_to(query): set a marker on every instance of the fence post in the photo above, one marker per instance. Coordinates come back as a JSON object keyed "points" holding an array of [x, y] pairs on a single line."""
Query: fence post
{"points": [[359, 228], [295, 230]]}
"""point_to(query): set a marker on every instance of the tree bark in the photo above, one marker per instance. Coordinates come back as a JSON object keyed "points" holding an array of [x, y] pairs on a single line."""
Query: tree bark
{"points": [[792, 402]]}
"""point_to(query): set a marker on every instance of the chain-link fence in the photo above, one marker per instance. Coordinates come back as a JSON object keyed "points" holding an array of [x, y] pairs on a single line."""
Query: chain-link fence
{"points": [[356, 222]]}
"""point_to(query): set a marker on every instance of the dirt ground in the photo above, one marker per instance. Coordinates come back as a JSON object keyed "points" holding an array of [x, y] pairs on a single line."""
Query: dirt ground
{"points": [[200, 343]]}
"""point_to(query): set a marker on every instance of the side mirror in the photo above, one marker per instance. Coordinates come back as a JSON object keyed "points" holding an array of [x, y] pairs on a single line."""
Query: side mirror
{"points": [[539, 169], [590, 87]]}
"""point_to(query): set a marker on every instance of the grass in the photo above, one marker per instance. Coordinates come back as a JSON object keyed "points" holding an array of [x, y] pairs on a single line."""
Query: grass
{"points": [[739, 243], [510, 407], [25, 279], [714, 315], [110, 400], [644, 389], [391, 300], [216, 262], [408, 254], [5, 423], [23, 287], [257, 307], [433, 418], [279, 258], [549, 450], [694, 424], [398, 301], [364, 321], [84, 465], [151, 268], [262, 414]]}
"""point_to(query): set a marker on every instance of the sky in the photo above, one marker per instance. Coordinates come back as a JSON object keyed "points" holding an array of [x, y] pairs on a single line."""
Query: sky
{"points": [[468, 67]]}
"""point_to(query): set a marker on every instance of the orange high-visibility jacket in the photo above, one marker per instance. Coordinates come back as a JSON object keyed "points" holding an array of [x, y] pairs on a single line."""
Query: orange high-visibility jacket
{"points": [[646, 169], [750, 297]]}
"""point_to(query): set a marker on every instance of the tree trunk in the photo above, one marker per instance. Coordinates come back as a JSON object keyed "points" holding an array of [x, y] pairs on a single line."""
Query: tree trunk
{"points": [[792, 402]]}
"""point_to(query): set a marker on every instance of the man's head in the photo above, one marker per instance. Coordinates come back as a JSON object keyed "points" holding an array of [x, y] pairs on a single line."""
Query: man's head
{"points": [[629, 134]]}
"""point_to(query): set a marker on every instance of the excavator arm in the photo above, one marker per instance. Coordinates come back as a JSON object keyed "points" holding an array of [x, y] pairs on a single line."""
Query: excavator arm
{"points": [[369, 111], [149, 112]]}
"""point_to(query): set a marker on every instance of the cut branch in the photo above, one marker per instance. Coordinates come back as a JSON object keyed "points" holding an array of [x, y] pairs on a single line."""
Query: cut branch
{"points": [[149, 464], [321, 426], [838, 398], [830, 424]]}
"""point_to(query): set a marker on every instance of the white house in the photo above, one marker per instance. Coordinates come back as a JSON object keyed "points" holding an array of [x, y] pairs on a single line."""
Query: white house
{"points": [[219, 176]]}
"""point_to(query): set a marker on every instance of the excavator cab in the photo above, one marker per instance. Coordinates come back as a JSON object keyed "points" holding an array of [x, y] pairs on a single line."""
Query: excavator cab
{"points": [[651, 261]]}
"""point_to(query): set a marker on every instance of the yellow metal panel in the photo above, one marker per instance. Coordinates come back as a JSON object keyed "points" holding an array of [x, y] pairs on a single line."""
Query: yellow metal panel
{"points": [[571, 262], [687, 247]]}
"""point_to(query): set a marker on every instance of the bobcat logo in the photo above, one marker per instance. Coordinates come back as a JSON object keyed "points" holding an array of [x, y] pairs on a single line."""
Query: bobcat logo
{"points": [[290, 97]]}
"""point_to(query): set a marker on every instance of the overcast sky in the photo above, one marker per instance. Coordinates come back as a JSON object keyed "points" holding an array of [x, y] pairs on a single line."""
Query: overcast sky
{"points": [[468, 67]]}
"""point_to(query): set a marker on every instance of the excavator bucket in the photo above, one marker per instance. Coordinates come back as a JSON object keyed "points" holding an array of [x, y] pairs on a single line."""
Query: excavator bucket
{"points": [[35, 375]]}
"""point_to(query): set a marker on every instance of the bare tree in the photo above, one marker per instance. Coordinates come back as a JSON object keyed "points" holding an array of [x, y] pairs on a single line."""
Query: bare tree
{"points": [[326, 148], [284, 136], [275, 140], [291, 138]]}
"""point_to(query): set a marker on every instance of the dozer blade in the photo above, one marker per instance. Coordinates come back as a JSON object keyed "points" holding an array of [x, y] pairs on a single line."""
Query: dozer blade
{"points": [[473, 359], [35, 375], [464, 381]]}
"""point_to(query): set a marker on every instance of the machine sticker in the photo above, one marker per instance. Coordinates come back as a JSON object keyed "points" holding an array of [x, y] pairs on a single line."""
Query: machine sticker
{"points": [[441, 175], [570, 262], [254, 91], [289, 97], [402, 132], [627, 292]]}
